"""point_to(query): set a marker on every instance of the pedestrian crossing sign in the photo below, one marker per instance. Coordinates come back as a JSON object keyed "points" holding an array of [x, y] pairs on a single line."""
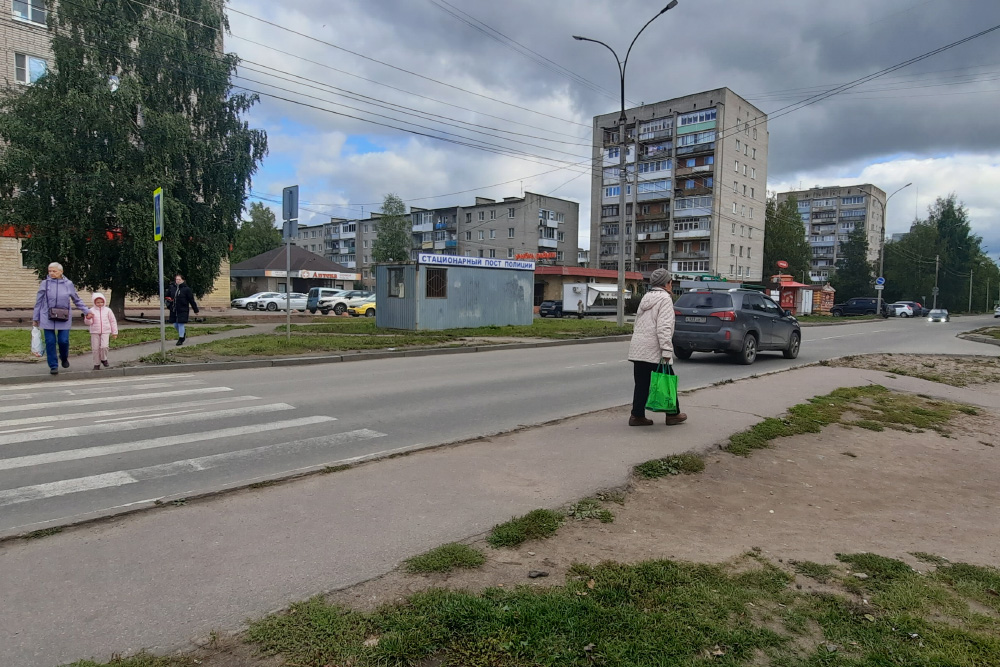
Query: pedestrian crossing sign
{"points": [[158, 214]]}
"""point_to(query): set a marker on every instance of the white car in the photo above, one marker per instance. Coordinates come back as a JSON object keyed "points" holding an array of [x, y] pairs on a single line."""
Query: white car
{"points": [[278, 301], [341, 302], [250, 302], [901, 309], [996, 312]]}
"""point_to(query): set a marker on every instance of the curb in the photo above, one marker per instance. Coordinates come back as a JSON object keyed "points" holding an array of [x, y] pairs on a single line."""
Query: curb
{"points": [[133, 371]]}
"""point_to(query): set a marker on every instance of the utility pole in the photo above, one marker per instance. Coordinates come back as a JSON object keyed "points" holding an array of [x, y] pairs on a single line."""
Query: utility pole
{"points": [[970, 289], [937, 265], [881, 244]]}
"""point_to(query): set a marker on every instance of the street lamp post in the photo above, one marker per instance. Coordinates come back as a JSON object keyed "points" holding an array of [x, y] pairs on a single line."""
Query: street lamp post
{"points": [[881, 245], [622, 167]]}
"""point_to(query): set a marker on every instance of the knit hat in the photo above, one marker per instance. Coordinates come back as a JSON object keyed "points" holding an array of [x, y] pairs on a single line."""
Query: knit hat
{"points": [[96, 296], [659, 278]]}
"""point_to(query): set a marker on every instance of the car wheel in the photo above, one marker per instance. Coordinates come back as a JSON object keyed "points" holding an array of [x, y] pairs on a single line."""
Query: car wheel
{"points": [[339, 309], [272, 306], [748, 354], [682, 354], [869, 312], [370, 312], [325, 312], [794, 343], [251, 306], [312, 310], [836, 313], [903, 315]]}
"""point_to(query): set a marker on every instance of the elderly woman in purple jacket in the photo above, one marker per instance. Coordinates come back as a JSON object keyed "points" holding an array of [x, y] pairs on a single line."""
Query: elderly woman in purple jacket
{"points": [[52, 314]]}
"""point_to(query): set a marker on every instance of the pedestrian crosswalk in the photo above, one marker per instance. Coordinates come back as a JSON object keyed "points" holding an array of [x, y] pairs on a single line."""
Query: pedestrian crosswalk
{"points": [[75, 448]]}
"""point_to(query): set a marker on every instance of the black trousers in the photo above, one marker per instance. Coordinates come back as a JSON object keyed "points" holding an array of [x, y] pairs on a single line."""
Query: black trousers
{"points": [[641, 371]]}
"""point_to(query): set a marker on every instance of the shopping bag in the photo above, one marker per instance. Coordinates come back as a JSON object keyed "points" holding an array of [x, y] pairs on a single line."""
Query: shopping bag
{"points": [[37, 348], [663, 390]]}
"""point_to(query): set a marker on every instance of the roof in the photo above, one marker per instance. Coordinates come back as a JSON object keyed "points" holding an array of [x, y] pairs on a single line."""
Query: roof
{"points": [[581, 272], [792, 283], [302, 259]]}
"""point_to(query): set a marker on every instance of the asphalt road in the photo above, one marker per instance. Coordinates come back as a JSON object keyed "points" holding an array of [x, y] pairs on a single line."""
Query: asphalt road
{"points": [[74, 449]]}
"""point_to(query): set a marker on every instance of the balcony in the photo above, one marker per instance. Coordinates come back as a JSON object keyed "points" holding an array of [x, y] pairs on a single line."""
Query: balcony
{"points": [[441, 225], [693, 233], [694, 254], [548, 243], [427, 245], [708, 147], [656, 134], [651, 236], [451, 243], [700, 169], [440, 245], [657, 256], [551, 224], [609, 238], [423, 227], [691, 192]]}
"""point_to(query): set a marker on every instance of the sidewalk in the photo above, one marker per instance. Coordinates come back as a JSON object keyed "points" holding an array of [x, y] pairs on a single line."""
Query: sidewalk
{"points": [[159, 579]]}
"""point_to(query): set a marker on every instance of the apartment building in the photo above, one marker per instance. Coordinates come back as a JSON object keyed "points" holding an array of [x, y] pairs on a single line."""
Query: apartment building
{"points": [[696, 179], [336, 240], [830, 214], [26, 42]]}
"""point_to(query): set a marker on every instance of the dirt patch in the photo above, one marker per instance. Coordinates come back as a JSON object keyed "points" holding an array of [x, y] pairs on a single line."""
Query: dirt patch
{"points": [[958, 371]]}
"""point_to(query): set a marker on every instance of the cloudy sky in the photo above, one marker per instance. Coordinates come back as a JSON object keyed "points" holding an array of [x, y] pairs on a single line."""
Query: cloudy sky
{"points": [[497, 97]]}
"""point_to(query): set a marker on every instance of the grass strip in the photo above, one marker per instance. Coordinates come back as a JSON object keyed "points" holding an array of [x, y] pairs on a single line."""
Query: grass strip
{"points": [[269, 345], [540, 328], [140, 660], [660, 612], [445, 558], [687, 464], [875, 407], [534, 525]]}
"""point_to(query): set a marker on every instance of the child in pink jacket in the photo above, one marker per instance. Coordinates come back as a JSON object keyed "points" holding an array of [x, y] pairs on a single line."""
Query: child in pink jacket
{"points": [[103, 327]]}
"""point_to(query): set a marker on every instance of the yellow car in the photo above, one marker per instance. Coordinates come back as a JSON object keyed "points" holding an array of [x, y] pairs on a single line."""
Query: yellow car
{"points": [[366, 309]]}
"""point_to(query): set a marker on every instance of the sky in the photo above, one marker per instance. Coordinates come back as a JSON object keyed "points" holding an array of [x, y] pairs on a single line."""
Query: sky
{"points": [[440, 101]]}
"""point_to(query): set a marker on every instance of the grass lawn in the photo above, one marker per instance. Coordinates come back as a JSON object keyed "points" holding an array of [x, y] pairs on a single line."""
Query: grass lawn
{"points": [[540, 328], [15, 344]]}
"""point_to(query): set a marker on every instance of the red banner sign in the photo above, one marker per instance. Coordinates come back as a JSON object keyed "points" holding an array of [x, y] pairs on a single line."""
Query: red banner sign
{"points": [[536, 255]]}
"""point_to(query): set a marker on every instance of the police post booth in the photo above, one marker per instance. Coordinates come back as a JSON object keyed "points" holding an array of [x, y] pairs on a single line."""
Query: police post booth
{"points": [[452, 292]]}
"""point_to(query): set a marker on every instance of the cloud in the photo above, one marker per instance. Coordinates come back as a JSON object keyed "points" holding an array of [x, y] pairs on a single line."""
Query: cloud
{"points": [[904, 126]]}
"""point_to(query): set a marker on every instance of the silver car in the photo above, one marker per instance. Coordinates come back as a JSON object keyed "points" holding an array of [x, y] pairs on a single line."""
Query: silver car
{"points": [[939, 315]]}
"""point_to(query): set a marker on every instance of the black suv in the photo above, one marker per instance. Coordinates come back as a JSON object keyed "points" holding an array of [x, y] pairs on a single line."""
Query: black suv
{"points": [[859, 305], [738, 321], [550, 309]]}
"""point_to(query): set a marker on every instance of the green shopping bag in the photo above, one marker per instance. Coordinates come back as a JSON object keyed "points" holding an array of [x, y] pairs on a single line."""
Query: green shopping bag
{"points": [[663, 390]]}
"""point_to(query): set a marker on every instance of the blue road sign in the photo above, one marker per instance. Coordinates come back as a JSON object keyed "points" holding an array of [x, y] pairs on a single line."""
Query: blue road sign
{"points": [[158, 214], [880, 281]]}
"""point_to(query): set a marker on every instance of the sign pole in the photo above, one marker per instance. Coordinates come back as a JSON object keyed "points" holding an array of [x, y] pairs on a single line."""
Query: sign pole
{"points": [[158, 237], [290, 215]]}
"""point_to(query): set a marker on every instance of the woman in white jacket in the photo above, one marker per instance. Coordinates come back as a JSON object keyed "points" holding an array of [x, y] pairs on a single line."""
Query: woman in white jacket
{"points": [[651, 341]]}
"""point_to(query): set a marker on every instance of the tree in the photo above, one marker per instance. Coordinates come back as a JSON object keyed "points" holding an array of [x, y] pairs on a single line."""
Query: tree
{"points": [[395, 235], [909, 265], [256, 235], [785, 239], [853, 275], [81, 157]]}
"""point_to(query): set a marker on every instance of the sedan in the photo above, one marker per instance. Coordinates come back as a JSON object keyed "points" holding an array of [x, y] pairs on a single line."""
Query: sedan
{"points": [[366, 309], [996, 312], [939, 315], [278, 302], [901, 310], [250, 302]]}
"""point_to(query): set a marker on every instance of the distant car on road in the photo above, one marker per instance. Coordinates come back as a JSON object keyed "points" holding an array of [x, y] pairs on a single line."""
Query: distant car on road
{"points": [[273, 303], [859, 305], [366, 309], [901, 309], [250, 302], [939, 315], [550, 309], [996, 312], [738, 321], [918, 308]]}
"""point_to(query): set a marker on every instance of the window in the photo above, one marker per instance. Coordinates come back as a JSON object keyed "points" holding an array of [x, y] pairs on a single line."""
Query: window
{"points": [[468, 253], [696, 117], [510, 253], [660, 185], [751, 193], [480, 253], [755, 133], [437, 283], [734, 211], [493, 252], [612, 191], [649, 128], [690, 162], [481, 215], [510, 232], [28, 69], [30, 10], [693, 202], [688, 184], [696, 138], [703, 246], [366, 244], [736, 186], [493, 214], [744, 170], [468, 217], [751, 212], [753, 173], [746, 129], [748, 255], [493, 233], [607, 211], [655, 165], [709, 182], [468, 236], [731, 272], [739, 271], [737, 145], [743, 230], [746, 150], [847, 201], [559, 255], [750, 229], [614, 152], [736, 166], [753, 152], [510, 213], [732, 250], [743, 212], [561, 236], [366, 229], [744, 191], [482, 235], [710, 159]]}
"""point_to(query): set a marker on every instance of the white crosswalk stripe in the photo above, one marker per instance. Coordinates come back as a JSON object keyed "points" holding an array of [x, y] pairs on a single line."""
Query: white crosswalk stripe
{"points": [[79, 447]]}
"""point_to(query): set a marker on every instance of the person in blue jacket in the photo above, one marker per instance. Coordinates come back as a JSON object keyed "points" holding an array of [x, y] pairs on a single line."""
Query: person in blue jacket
{"points": [[53, 315]]}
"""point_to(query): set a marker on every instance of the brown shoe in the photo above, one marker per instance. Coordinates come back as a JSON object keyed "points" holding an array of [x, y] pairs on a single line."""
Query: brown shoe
{"points": [[639, 421], [674, 420]]}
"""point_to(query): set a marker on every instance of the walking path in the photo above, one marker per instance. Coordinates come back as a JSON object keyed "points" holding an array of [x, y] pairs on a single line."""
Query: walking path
{"points": [[159, 579]]}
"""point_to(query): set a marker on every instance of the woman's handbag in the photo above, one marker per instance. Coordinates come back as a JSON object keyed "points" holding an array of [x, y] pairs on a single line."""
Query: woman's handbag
{"points": [[663, 390], [56, 314]]}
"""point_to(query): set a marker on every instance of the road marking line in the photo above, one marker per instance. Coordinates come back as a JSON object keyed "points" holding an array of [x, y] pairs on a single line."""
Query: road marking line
{"points": [[154, 443], [67, 486], [205, 402], [96, 390], [155, 414], [863, 333], [75, 431], [104, 399], [84, 383]]}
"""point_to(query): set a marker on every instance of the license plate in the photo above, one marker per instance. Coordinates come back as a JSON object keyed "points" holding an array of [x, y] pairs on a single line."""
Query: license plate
{"points": [[695, 320]]}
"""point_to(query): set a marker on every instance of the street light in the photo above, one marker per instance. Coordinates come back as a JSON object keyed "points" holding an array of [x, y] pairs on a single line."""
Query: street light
{"points": [[881, 245], [622, 175]]}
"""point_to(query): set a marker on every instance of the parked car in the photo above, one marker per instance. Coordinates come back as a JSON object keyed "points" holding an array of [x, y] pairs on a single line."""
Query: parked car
{"points": [[316, 294], [918, 309], [272, 303], [550, 309], [250, 302], [859, 305], [996, 312], [341, 302], [939, 315], [740, 322], [367, 309], [900, 309]]}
